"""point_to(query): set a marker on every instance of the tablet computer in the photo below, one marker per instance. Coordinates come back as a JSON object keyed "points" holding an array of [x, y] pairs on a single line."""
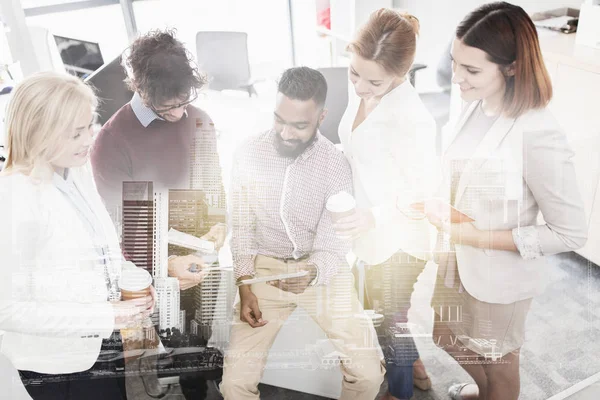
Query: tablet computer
{"points": [[440, 207], [269, 278]]}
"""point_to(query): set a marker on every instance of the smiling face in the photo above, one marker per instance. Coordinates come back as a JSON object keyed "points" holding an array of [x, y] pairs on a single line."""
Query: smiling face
{"points": [[477, 77], [370, 80], [296, 123], [76, 147]]}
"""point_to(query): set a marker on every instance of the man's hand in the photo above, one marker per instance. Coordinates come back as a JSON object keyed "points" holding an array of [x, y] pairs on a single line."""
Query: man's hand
{"points": [[354, 225], [217, 234], [297, 285], [249, 311], [179, 267]]}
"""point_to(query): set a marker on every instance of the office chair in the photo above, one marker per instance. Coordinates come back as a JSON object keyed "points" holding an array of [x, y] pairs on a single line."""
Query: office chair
{"points": [[224, 58], [337, 98], [336, 101], [111, 89]]}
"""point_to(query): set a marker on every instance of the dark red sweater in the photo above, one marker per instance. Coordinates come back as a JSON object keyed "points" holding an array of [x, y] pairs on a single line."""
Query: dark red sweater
{"points": [[125, 150]]}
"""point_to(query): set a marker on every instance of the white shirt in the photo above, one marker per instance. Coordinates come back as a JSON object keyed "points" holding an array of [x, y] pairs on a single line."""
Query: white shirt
{"points": [[53, 291], [392, 154]]}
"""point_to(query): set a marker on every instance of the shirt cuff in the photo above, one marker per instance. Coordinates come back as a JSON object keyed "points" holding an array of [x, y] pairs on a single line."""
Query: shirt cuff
{"points": [[326, 264], [314, 281], [527, 240], [243, 266]]}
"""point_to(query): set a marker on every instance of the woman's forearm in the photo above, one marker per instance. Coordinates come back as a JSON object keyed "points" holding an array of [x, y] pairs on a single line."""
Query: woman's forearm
{"points": [[497, 240], [468, 235]]}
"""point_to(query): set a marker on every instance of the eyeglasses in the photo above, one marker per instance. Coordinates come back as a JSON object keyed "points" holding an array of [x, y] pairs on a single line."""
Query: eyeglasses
{"points": [[191, 99]]}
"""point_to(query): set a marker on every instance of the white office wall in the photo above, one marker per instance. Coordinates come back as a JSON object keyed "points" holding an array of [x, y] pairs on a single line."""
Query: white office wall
{"points": [[439, 19]]}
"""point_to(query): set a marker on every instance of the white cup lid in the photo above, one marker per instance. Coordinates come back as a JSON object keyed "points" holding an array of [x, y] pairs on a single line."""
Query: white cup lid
{"points": [[134, 278], [340, 202]]}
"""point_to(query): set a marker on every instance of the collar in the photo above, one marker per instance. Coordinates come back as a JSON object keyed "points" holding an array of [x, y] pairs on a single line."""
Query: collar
{"points": [[63, 182], [143, 113], [398, 92]]}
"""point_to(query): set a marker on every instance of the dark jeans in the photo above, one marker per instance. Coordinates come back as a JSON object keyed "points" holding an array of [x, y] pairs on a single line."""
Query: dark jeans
{"points": [[76, 389], [389, 287], [77, 386]]}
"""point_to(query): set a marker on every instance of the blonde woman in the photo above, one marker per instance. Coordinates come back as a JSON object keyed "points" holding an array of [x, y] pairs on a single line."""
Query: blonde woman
{"points": [[59, 255], [389, 140]]}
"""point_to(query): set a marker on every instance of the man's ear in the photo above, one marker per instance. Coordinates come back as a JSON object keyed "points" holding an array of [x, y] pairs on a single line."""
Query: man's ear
{"points": [[510, 69], [323, 115]]}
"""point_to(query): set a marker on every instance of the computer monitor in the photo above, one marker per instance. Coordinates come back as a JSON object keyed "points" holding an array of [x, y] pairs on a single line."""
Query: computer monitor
{"points": [[80, 57], [110, 88]]}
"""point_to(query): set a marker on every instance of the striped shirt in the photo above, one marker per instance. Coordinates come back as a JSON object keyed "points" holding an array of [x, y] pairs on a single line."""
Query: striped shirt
{"points": [[278, 205]]}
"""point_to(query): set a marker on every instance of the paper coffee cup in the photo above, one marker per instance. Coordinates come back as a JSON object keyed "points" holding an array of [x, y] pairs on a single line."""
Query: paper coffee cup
{"points": [[340, 205], [135, 282]]}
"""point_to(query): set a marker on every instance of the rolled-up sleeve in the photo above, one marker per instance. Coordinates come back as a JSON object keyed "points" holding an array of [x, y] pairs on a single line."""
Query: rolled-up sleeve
{"points": [[550, 175], [242, 220], [329, 250]]}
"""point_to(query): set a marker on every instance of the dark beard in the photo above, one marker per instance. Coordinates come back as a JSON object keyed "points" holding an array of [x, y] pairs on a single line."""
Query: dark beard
{"points": [[292, 151]]}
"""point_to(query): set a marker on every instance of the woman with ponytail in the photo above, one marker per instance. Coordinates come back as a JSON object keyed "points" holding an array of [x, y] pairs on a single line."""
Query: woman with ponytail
{"points": [[388, 137], [506, 163]]}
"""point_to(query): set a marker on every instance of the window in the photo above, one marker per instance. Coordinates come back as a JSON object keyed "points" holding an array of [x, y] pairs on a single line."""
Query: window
{"points": [[103, 24]]}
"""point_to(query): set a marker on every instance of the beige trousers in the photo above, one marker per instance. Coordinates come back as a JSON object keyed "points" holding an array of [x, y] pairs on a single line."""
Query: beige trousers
{"points": [[335, 308]]}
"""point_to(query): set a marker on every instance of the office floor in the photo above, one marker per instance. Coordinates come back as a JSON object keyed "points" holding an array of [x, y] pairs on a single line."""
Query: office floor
{"points": [[561, 348]]}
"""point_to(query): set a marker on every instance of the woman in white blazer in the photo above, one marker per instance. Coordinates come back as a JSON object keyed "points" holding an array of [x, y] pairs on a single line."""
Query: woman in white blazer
{"points": [[388, 137], [506, 163], [59, 254]]}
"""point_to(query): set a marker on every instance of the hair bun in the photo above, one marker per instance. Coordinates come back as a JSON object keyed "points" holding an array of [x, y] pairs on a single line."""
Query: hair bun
{"points": [[414, 21]]}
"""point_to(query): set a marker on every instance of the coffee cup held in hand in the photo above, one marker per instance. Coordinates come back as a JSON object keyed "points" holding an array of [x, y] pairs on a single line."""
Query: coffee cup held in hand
{"points": [[135, 282], [340, 205]]}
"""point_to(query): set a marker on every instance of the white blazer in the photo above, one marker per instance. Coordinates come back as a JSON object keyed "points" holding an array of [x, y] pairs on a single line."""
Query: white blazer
{"points": [[392, 154], [521, 168], [53, 293]]}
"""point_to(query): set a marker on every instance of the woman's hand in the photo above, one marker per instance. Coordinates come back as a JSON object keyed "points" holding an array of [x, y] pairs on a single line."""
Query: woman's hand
{"points": [[131, 313], [465, 233], [217, 234], [353, 226]]}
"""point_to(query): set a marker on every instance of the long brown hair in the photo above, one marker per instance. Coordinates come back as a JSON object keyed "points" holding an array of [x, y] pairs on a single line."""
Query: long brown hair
{"points": [[390, 39], [507, 35]]}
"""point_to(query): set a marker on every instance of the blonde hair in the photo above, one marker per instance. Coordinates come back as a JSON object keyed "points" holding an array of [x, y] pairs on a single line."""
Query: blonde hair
{"points": [[390, 39], [41, 114]]}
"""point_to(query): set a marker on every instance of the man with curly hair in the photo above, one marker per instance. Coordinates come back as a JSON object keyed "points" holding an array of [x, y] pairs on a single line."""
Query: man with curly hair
{"points": [[151, 138]]}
